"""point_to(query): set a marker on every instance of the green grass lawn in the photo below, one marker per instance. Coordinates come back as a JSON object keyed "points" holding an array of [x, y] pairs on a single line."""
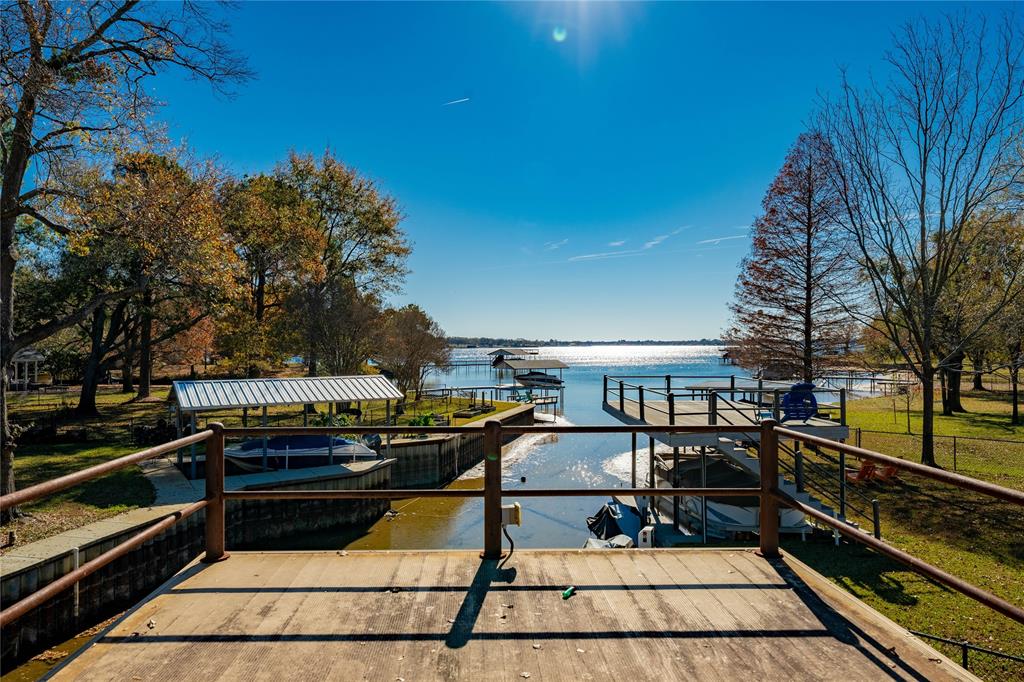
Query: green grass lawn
{"points": [[973, 537]]}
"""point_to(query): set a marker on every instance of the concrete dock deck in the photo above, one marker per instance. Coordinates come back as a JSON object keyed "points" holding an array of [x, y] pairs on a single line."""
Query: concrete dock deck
{"points": [[444, 615], [697, 413]]}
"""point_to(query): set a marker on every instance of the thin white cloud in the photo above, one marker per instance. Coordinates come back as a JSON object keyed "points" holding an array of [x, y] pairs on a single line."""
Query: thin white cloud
{"points": [[551, 246], [605, 255], [654, 242], [715, 240], [455, 101], [621, 242]]}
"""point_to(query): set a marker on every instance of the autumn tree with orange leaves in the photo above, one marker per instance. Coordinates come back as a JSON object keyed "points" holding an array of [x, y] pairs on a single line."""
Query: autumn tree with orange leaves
{"points": [[787, 321]]}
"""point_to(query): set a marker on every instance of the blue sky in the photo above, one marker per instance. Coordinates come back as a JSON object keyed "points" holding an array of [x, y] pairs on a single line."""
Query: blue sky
{"points": [[597, 186]]}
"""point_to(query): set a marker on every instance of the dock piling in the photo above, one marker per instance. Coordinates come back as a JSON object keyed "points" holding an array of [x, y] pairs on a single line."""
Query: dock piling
{"points": [[492, 489], [769, 458], [215, 495]]}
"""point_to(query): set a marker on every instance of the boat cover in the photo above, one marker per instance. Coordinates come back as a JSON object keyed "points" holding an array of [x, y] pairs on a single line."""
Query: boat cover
{"points": [[614, 519], [616, 542], [309, 442]]}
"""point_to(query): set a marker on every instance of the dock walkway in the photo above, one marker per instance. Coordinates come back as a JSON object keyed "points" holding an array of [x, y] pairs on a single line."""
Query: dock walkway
{"points": [[743, 416], [636, 615]]}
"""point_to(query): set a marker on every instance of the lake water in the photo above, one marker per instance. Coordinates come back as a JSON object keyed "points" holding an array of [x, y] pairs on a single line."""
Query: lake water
{"points": [[574, 461]]}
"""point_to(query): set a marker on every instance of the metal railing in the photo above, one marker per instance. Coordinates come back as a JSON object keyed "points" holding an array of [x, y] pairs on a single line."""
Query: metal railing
{"points": [[617, 391], [492, 492], [963, 482], [966, 648]]}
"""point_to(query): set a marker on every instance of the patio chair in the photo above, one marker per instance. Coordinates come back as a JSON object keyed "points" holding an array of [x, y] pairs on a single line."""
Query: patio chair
{"points": [[888, 474], [800, 403], [863, 475]]}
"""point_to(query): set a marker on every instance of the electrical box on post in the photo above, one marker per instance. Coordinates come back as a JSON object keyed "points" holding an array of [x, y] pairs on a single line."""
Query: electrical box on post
{"points": [[511, 515], [646, 538]]}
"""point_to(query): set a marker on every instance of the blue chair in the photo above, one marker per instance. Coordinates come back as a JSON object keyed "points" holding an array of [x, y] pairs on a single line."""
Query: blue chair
{"points": [[800, 403]]}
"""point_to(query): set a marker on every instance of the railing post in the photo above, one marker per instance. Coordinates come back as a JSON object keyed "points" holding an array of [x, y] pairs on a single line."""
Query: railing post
{"points": [[671, 409], [215, 495], [622, 397], [632, 467], [651, 480], [776, 405], [769, 458], [668, 383], [713, 408], [876, 517], [842, 407], [798, 467], [640, 400], [842, 484], [492, 489], [604, 393]]}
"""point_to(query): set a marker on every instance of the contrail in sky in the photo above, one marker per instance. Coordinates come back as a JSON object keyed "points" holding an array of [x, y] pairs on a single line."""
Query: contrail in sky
{"points": [[715, 240], [455, 101]]}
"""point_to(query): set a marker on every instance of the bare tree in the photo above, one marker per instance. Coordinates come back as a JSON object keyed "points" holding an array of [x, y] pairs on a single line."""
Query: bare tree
{"points": [[413, 345], [785, 315], [73, 81], [918, 162]]}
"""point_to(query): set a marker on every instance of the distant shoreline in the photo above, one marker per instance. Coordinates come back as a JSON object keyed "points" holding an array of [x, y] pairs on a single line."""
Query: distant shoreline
{"points": [[483, 342]]}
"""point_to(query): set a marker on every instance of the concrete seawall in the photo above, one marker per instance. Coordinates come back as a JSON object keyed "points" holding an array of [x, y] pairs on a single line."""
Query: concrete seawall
{"points": [[434, 461]]}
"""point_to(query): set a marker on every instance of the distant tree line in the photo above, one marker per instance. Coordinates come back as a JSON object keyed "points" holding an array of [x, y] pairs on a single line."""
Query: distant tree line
{"points": [[895, 226], [497, 342], [120, 250]]}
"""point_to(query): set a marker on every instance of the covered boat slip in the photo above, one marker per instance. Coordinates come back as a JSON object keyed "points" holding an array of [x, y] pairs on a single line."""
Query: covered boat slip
{"points": [[189, 398], [702, 401], [443, 615]]}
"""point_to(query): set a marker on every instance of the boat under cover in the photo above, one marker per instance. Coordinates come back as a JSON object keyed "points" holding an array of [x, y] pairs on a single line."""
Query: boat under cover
{"points": [[538, 379], [727, 516], [305, 447]]}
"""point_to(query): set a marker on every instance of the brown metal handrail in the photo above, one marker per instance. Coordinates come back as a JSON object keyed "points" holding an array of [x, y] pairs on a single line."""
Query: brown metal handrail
{"points": [[958, 480], [48, 488], [928, 570], [35, 492], [492, 493]]}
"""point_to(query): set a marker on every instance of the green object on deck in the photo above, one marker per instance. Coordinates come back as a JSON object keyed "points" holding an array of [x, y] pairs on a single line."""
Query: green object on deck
{"points": [[568, 592]]}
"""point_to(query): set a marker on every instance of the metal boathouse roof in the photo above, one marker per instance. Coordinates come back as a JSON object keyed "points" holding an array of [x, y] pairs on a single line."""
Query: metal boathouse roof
{"points": [[535, 364], [193, 396]]}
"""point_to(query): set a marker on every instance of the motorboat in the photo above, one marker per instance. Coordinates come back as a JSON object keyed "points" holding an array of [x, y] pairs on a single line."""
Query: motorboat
{"points": [[535, 378], [727, 517], [299, 452]]}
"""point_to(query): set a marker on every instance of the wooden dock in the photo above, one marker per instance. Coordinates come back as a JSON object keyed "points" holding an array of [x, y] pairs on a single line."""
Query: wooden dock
{"points": [[698, 413], [446, 615]]}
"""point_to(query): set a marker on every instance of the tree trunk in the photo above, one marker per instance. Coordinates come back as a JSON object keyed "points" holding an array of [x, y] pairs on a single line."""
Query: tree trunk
{"points": [[977, 362], [127, 366], [954, 377], [7, 443], [93, 367], [7, 452], [928, 417], [18, 152], [146, 346], [808, 354], [1015, 365], [1015, 395], [943, 395]]}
